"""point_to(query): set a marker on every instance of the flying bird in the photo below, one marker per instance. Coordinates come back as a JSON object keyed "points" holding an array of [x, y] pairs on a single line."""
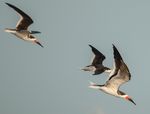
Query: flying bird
{"points": [[21, 30], [97, 64], [119, 75]]}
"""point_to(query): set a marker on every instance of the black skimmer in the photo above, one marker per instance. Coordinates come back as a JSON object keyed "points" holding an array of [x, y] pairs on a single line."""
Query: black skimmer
{"points": [[21, 30], [97, 64], [119, 75]]}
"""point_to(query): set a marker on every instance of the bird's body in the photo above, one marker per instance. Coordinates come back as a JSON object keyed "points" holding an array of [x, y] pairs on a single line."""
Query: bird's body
{"points": [[21, 30], [119, 75], [97, 63], [23, 34]]}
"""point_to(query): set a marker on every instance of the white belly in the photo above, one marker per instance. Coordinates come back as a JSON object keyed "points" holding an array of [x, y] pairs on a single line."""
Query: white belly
{"points": [[22, 36], [109, 91]]}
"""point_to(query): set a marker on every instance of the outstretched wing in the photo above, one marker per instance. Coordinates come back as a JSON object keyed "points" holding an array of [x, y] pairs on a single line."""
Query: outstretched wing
{"points": [[25, 21], [121, 72], [99, 57]]}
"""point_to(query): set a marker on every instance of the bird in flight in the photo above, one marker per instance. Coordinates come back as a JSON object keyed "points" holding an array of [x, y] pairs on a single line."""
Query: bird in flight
{"points": [[21, 30], [97, 63], [119, 75]]}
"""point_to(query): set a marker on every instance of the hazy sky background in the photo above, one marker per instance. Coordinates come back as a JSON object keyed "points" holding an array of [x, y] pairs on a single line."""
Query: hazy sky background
{"points": [[48, 80]]}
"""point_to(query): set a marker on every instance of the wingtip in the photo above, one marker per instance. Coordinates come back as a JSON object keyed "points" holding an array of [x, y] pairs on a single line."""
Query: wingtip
{"points": [[116, 52], [113, 46], [8, 3], [90, 45]]}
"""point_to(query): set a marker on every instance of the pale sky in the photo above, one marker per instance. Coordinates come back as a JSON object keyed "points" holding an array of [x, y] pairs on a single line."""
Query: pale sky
{"points": [[48, 80]]}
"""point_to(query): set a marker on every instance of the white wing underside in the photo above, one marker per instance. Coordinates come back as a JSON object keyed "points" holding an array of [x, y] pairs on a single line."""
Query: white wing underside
{"points": [[121, 77], [92, 58], [21, 18]]}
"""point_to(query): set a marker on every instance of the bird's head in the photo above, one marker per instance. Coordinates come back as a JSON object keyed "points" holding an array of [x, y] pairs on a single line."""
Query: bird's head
{"points": [[129, 99]]}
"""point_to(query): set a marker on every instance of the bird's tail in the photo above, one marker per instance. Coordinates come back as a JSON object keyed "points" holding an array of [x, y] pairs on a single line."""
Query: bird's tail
{"points": [[94, 85]]}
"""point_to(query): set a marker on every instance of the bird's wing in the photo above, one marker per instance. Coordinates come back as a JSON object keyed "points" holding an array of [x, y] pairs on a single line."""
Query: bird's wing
{"points": [[121, 72], [25, 21], [99, 57]]}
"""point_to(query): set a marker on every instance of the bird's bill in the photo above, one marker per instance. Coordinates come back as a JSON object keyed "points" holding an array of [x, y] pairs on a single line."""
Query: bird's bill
{"points": [[129, 99], [37, 42]]}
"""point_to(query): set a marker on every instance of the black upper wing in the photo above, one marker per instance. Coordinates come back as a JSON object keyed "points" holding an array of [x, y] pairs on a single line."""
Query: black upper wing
{"points": [[121, 72], [99, 57], [25, 20]]}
